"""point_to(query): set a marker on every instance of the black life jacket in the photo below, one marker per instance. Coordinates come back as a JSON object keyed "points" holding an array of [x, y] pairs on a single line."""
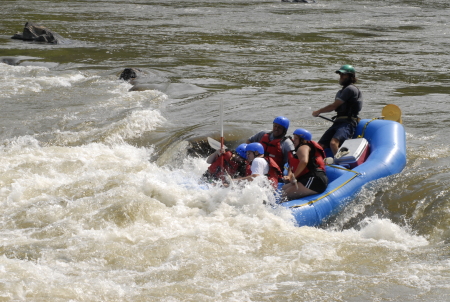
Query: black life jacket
{"points": [[350, 108]]}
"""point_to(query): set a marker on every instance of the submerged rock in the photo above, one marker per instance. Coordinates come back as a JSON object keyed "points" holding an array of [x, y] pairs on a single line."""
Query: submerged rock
{"points": [[149, 80], [299, 1], [10, 60]]}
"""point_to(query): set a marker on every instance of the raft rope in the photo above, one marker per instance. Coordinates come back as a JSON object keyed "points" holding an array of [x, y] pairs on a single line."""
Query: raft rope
{"points": [[323, 196], [365, 126]]}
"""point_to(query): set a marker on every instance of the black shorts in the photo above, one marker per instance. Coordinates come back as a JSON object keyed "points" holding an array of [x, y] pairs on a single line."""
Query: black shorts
{"points": [[316, 181]]}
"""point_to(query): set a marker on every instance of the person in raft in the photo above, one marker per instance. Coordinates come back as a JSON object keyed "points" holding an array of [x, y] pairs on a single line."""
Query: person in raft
{"points": [[276, 144], [234, 164], [261, 165], [306, 168], [347, 104]]}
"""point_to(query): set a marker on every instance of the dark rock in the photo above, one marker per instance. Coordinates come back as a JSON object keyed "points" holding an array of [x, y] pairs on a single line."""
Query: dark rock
{"points": [[130, 73], [38, 33]]}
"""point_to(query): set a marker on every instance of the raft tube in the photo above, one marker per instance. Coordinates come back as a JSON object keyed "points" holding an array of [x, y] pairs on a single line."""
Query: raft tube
{"points": [[387, 156]]}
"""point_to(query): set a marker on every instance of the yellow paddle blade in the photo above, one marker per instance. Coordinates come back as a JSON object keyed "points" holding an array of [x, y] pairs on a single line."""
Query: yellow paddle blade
{"points": [[392, 112]]}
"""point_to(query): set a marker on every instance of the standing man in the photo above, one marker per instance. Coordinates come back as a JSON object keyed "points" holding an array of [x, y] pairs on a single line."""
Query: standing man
{"points": [[276, 144], [347, 104]]}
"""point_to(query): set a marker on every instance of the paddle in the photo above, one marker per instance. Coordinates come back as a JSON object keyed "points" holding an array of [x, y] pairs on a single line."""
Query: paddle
{"points": [[392, 112], [221, 132], [216, 145], [325, 118]]}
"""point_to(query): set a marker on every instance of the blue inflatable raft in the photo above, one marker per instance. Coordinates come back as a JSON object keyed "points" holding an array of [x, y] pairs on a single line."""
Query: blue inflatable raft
{"points": [[381, 152]]}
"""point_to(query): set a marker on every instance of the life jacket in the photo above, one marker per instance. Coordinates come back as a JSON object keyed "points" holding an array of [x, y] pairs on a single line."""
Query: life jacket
{"points": [[232, 168], [272, 148], [275, 172], [351, 108], [248, 170], [315, 159]]}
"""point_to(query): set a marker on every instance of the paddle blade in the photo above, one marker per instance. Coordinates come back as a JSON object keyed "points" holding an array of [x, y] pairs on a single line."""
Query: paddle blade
{"points": [[215, 144], [392, 112]]}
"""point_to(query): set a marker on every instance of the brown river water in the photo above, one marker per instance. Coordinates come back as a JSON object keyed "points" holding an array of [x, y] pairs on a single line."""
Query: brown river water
{"points": [[98, 184]]}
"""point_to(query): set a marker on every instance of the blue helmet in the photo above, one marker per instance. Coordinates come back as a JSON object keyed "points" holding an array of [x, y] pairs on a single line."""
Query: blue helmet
{"points": [[305, 134], [282, 121], [255, 147], [240, 150]]}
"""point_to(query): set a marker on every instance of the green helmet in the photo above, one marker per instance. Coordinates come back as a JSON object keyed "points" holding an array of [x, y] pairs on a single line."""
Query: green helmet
{"points": [[346, 69]]}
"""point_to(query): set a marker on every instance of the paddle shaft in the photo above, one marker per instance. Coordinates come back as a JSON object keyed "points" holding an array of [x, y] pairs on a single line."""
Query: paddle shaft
{"points": [[221, 133], [325, 118]]}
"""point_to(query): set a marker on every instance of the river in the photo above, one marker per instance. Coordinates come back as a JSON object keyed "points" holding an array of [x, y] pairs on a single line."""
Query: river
{"points": [[98, 183]]}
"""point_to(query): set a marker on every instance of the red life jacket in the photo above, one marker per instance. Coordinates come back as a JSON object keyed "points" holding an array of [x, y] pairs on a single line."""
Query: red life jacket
{"points": [[315, 161], [248, 170], [274, 172], [233, 168], [273, 148]]}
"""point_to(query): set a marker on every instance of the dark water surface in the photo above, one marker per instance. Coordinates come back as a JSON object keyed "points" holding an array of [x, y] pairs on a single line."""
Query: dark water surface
{"points": [[97, 183]]}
